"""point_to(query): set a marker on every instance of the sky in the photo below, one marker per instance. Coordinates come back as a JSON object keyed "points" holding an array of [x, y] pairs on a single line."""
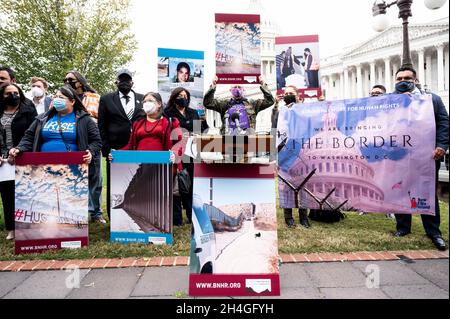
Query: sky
{"points": [[229, 191], [182, 24]]}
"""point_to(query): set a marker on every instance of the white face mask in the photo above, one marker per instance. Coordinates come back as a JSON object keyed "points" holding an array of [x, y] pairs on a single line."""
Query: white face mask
{"points": [[150, 108], [37, 92]]}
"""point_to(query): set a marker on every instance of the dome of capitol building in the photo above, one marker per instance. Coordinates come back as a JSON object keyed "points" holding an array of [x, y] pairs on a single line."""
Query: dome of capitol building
{"points": [[345, 169]]}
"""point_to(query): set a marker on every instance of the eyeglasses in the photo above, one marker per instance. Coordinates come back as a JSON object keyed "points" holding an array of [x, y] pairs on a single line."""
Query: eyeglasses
{"points": [[376, 94]]}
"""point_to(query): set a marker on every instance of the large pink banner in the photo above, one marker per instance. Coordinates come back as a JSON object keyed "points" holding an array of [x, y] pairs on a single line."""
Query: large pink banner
{"points": [[371, 155]]}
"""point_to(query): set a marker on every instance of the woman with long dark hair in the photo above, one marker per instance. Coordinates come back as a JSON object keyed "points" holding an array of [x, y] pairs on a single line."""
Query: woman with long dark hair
{"points": [[79, 132], [91, 101], [178, 107], [66, 127], [15, 117]]}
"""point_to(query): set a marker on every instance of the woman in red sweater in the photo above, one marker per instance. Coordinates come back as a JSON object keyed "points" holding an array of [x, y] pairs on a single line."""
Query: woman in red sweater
{"points": [[153, 132]]}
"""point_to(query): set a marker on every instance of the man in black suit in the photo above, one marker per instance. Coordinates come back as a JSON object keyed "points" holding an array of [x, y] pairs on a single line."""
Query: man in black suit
{"points": [[406, 84], [116, 115]]}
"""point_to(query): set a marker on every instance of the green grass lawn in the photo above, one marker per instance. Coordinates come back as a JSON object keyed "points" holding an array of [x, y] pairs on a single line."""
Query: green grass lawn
{"points": [[355, 233]]}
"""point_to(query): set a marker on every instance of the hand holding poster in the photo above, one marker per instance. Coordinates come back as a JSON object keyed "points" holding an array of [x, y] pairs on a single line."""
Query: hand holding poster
{"points": [[238, 48], [370, 154], [51, 205]]}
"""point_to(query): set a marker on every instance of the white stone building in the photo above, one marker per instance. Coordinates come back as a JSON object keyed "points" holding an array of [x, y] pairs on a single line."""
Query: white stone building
{"points": [[352, 73]]}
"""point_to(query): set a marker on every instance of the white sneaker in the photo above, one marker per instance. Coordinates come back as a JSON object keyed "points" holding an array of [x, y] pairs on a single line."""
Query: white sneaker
{"points": [[100, 220], [11, 235]]}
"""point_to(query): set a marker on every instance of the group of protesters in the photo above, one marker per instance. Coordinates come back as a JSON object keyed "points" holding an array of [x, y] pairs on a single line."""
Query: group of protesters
{"points": [[77, 118]]}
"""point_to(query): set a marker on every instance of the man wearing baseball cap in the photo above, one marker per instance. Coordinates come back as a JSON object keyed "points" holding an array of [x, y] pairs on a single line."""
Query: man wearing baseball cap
{"points": [[117, 112]]}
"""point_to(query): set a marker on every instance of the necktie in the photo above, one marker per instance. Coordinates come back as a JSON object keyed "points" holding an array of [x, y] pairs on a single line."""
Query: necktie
{"points": [[130, 112]]}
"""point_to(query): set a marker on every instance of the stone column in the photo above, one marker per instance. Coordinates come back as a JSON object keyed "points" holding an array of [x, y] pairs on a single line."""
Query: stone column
{"points": [[347, 90], [421, 66], [341, 86], [353, 83], [387, 74], [367, 86], [331, 88], [359, 81], [380, 79], [446, 70], [395, 67], [326, 83], [372, 75], [440, 68], [428, 76]]}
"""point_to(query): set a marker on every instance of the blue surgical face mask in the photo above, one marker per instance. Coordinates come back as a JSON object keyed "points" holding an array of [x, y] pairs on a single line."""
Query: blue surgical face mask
{"points": [[59, 104], [404, 86]]}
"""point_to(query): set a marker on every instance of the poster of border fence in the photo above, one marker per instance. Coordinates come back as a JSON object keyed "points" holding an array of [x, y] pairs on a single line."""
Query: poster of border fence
{"points": [[141, 197], [51, 202], [234, 245], [238, 48]]}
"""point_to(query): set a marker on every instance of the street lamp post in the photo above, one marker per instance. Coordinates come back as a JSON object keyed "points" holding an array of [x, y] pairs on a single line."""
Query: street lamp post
{"points": [[381, 22]]}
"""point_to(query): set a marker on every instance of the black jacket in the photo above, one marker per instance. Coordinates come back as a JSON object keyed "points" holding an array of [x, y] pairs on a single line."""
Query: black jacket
{"points": [[88, 136], [21, 122], [113, 123], [441, 118], [186, 122]]}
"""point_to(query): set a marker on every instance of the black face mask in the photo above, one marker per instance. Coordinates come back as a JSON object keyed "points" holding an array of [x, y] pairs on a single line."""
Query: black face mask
{"points": [[125, 87], [289, 99], [73, 85], [12, 100], [182, 102]]}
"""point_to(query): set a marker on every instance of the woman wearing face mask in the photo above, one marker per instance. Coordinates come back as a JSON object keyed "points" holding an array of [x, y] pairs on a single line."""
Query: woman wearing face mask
{"points": [[91, 101], [88, 96], [66, 127], [178, 108], [15, 117], [152, 133], [290, 97], [78, 134]]}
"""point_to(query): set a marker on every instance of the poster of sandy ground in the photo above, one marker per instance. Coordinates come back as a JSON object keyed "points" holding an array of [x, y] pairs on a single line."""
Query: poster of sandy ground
{"points": [[372, 155], [238, 48], [181, 68], [234, 245], [51, 202], [298, 64], [141, 197]]}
